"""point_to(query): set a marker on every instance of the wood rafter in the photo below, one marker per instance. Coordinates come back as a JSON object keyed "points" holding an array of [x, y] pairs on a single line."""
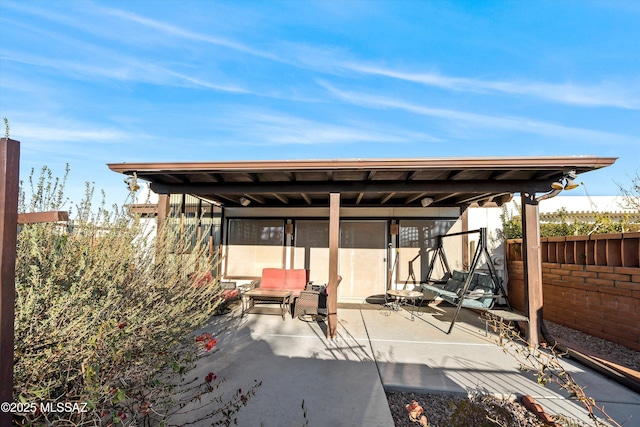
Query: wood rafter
{"points": [[386, 198], [359, 198], [178, 179], [476, 197], [258, 199], [454, 174], [284, 199], [414, 197], [501, 174], [306, 198], [445, 197], [411, 176]]}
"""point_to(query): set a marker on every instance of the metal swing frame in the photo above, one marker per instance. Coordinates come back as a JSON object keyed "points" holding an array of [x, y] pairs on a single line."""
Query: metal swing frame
{"points": [[481, 251]]}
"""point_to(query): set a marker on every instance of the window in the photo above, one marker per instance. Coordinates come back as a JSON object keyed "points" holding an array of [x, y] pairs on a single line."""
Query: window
{"points": [[254, 244]]}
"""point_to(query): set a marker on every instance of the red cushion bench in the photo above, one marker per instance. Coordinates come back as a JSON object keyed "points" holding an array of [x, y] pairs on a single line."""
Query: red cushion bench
{"points": [[294, 280]]}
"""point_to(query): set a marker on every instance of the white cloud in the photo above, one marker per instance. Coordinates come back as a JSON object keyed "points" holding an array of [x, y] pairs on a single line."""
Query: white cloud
{"points": [[265, 129], [508, 123], [187, 34], [605, 94], [38, 128]]}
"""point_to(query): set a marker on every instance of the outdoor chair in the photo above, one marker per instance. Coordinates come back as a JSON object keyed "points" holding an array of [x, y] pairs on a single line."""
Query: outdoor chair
{"points": [[229, 291], [313, 301]]}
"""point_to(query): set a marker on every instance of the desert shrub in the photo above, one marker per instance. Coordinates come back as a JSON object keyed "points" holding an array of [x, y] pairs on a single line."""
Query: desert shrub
{"points": [[105, 315]]}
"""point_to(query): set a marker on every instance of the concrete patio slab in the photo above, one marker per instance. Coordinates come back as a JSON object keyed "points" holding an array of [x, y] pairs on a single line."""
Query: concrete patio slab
{"points": [[343, 381], [337, 379], [424, 359]]}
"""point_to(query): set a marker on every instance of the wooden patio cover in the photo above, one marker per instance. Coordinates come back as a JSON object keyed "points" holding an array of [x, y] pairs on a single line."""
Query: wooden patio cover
{"points": [[376, 182], [361, 182]]}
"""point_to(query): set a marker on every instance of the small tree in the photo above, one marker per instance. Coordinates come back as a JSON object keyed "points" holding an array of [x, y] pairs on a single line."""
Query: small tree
{"points": [[511, 223], [104, 319], [631, 194], [545, 363]]}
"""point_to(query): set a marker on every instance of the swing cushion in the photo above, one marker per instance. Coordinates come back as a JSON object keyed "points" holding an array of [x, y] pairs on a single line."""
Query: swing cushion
{"points": [[480, 295], [456, 281], [460, 276]]}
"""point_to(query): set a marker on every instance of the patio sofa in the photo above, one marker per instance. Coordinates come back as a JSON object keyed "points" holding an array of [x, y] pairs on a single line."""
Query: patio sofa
{"points": [[481, 294], [294, 280]]}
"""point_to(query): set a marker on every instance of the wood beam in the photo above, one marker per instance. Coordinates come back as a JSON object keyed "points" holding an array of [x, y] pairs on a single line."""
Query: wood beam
{"points": [[334, 242], [438, 186], [36, 217], [9, 184], [306, 198], [143, 209], [532, 261], [359, 199]]}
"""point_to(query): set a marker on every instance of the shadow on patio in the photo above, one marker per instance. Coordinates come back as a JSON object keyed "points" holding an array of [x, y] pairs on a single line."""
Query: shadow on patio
{"points": [[343, 381]]}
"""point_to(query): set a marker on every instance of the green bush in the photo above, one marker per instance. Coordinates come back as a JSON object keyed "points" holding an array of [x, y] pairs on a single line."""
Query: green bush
{"points": [[512, 225], [105, 315]]}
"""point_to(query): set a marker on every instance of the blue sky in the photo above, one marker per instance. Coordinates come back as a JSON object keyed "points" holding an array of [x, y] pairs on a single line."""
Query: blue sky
{"points": [[94, 82]]}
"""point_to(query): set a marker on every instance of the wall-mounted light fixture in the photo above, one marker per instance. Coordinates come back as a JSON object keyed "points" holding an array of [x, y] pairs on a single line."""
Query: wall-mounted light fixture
{"points": [[426, 202], [505, 198], [571, 183], [567, 182], [244, 201]]}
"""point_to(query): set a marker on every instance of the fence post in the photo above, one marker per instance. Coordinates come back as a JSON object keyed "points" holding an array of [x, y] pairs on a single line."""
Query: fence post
{"points": [[9, 183]]}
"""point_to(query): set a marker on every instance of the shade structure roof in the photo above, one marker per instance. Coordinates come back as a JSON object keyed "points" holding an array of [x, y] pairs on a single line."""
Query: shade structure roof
{"points": [[362, 182]]}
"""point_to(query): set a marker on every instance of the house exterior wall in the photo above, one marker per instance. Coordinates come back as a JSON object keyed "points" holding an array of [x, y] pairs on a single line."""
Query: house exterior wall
{"points": [[490, 218], [366, 261], [597, 293]]}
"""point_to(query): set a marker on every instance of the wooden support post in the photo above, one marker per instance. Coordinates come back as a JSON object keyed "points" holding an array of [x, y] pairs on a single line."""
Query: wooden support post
{"points": [[9, 184], [464, 217], [532, 258], [334, 240], [164, 207]]}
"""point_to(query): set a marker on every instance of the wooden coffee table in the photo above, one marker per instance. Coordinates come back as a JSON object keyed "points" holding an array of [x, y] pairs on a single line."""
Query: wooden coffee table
{"points": [[267, 295]]}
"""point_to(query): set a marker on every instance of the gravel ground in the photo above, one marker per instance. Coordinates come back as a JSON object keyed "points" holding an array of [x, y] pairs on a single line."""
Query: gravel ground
{"points": [[442, 410], [446, 411], [614, 352]]}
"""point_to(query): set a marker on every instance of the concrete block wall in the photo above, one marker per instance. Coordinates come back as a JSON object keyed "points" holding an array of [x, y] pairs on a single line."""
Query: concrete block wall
{"points": [[603, 301]]}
